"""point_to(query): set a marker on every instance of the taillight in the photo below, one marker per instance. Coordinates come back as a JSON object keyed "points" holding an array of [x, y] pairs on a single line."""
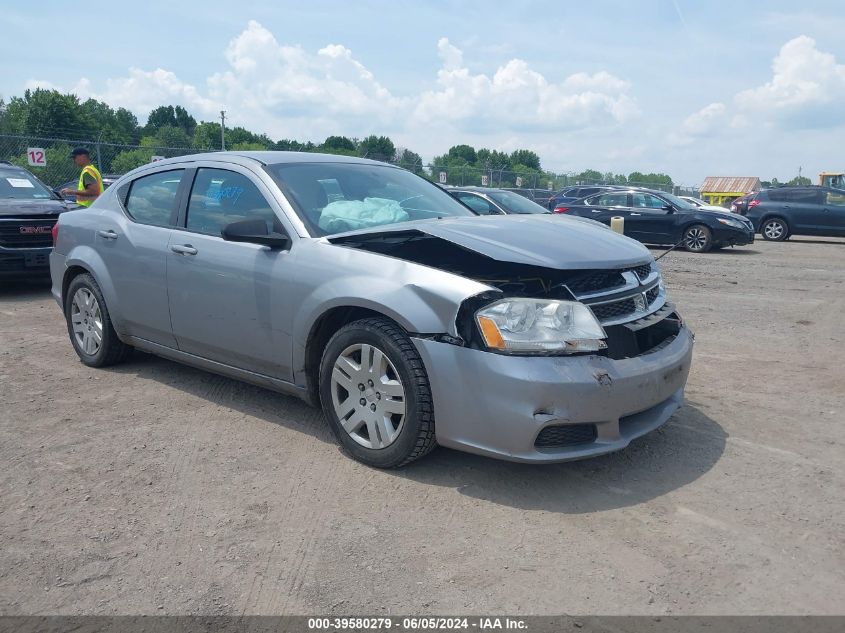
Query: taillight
{"points": [[753, 203], [561, 209], [55, 232]]}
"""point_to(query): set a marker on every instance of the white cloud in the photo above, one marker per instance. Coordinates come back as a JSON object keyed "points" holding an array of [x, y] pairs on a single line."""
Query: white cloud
{"points": [[806, 90], [699, 124], [287, 91]]}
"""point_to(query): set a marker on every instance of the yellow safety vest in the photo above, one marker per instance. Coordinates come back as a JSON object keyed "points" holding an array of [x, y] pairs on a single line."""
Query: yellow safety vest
{"points": [[91, 171]]}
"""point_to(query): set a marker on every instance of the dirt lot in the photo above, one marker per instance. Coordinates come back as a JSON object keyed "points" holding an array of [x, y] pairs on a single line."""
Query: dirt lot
{"points": [[155, 488]]}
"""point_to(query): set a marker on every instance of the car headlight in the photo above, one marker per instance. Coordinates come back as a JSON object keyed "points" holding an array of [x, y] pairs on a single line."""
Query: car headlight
{"points": [[734, 223], [538, 325]]}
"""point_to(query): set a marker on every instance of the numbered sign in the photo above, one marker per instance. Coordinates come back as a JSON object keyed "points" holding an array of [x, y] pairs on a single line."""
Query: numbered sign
{"points": [[519, 181], [442, 177], [485, 180], [155, 159], [36, 157]]}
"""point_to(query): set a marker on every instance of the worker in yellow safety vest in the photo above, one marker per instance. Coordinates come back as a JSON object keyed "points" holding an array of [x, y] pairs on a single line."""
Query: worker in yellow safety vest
{"points": [[90, 184]]}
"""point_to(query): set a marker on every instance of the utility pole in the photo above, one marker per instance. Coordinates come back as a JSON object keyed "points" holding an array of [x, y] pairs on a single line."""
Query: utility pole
{"points": [[223, 130]]}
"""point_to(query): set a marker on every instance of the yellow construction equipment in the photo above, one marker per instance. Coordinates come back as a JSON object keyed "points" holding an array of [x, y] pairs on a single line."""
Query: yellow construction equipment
{"points": [[835, 179]]}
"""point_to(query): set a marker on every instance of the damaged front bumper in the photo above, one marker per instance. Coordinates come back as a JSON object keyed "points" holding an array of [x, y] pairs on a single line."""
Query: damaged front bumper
{"points": [[551, 409]]}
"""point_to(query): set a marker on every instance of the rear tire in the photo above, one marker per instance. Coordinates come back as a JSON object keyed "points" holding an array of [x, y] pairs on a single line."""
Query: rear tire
{"points": [[375, 394], [89, 324], [698, 238], [774, 229]]}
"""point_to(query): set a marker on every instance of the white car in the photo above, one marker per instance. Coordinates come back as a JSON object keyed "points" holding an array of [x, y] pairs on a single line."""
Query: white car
{"points": [[701, 204]]}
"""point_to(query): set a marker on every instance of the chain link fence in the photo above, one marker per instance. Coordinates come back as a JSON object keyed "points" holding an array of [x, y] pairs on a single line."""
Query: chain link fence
{"points": [[49, 159]]}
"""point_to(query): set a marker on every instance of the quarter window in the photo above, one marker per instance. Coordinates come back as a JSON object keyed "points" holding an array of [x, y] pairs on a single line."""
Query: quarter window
{"points": [[152, 199], [220, 196]]}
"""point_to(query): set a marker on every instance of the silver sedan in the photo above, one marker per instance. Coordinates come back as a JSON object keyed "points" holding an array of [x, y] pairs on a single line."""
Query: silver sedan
{"points": [[367, 290]]}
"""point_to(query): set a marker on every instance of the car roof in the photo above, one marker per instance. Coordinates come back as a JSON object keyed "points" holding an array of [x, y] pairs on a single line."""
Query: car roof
{"points": [[269, 158]]}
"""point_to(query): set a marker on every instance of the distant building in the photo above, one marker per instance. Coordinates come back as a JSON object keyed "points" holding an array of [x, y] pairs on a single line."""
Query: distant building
{"points": [[722, 190]]}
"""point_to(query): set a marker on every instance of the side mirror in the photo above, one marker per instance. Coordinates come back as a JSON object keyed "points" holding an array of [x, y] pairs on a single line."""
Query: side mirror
{"points": [[254, 231]]}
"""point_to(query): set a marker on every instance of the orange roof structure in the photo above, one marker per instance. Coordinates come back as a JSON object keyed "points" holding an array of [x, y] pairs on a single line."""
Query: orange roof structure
{"points": [[730, 184]]}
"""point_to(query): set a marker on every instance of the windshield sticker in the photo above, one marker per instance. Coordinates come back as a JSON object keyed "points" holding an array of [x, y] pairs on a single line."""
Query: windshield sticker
{"points": [[229, 193], [20, 183]]}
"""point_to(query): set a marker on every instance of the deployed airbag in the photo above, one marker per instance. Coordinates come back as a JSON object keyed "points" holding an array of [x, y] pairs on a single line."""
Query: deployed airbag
{"points": [[349, 215]]}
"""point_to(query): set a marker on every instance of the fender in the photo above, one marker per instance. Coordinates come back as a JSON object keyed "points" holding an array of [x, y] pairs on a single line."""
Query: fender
{"points": [[86, 257]]}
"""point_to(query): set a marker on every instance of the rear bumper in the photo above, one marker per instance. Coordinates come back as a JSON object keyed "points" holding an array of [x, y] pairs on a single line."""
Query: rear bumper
{"points": [[497, 405], [19, 263]]}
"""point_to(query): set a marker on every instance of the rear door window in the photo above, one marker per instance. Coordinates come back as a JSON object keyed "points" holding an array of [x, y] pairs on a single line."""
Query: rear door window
{"points": [[804, 196], [646, 201], [152, 199], [609, 200]]}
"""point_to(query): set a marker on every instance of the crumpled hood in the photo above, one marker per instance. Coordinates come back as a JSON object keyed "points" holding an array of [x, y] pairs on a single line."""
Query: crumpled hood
{"points": [[22, 208], [535, 240]]}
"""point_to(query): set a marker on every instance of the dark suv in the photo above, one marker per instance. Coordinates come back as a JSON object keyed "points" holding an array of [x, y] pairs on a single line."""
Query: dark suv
{"points": [[785, 211], [28, 211]]}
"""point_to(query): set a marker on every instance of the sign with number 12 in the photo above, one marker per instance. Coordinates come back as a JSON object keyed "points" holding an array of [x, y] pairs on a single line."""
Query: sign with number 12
{"points": [[36, 157]]}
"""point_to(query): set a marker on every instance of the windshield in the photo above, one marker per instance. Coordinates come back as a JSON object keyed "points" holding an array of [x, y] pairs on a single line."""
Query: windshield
{"points": [[336, 197], [678, 202], [515, 203], [22, 186]]}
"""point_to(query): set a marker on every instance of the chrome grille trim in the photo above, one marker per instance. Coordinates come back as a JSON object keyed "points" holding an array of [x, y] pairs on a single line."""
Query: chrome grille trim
{"points": [[643, 294]]}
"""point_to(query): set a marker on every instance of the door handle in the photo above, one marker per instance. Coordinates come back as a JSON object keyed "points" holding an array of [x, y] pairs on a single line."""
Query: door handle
{"points": [[596, 210], [632, 213], [183, 249], [109, 235]]}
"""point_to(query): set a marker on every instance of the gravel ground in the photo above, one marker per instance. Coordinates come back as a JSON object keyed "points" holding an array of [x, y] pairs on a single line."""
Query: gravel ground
{"points": [[155, 488]]}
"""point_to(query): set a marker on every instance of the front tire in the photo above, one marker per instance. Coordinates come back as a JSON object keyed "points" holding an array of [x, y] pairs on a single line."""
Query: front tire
{"points": [[698, 239], [375, 394], [89, 324], [774, 230]]}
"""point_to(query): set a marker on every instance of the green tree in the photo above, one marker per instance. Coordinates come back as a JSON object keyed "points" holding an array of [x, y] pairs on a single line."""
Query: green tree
{"points": [[170, 116], [338, 143], [48, 113], [464, 153], [167, 136], [800, 181], [589, 176], [409, 160], [377, 148], [207, 136], [288, 145], [525, 157], [130, 159]]}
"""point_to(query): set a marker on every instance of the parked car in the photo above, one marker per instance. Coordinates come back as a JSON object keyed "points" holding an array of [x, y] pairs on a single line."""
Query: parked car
{"points": [[740, 205], [540, 196], [656, 217], [28, 211], [366, 289], [703, 205], [73, 184], [571, 194], [780, 213], [488, 201]]}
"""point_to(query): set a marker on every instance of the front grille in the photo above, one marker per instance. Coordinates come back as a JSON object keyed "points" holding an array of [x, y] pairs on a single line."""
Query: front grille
{"points": [[615, 310], [595, 281], [651, 295], [563, 435], [19, 232], [642, 271]]}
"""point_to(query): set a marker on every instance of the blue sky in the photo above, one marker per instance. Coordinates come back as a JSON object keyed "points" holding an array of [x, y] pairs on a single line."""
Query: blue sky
{"points": [[691, 88]]}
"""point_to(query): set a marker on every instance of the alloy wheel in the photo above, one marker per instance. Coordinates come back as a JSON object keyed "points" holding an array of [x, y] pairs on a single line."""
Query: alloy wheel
{"points": [[773, 230], [696, 239], [368, 396], [87, 321]]}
